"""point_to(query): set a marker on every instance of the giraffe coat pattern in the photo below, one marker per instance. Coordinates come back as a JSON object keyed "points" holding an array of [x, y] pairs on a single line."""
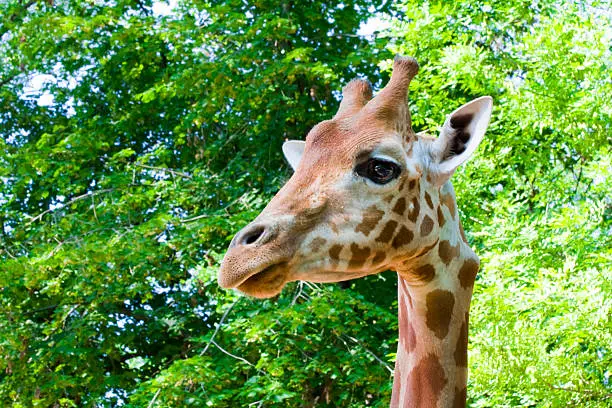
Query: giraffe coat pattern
{"points": [[369, 194]]}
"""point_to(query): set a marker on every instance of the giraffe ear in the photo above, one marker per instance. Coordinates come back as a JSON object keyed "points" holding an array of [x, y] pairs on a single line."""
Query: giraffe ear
{"points": [[293, 151], [460, 136]]}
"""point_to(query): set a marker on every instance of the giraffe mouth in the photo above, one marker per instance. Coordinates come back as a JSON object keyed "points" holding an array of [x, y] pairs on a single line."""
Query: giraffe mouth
{"points": [[266, 283]]}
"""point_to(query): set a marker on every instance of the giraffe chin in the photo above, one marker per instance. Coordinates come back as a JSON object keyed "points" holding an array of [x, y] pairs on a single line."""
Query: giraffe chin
{"points": [[267, 283]]}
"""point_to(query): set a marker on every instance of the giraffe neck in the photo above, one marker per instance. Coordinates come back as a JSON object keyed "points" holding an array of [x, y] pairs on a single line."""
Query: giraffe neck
{"points": [[431, 363]]}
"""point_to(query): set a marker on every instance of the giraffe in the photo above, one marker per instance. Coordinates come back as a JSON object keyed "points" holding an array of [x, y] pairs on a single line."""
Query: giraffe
{"points": [[368, 195]]}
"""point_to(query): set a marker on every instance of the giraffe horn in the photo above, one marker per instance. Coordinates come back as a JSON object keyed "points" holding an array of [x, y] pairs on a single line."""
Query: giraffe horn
{"points": [[391, 103], [355, 95]]}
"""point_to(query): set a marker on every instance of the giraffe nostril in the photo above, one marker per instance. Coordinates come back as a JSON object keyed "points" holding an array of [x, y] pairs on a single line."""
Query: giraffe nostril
{"points": [[253, 234], [250, 237]]}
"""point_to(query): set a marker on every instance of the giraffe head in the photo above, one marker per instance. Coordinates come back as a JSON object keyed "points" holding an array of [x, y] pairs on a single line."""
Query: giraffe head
{"points": [[365, 194]]}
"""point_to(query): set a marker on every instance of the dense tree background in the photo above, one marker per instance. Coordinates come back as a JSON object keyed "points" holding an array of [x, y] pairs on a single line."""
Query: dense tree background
{"points": [[136, 139]]}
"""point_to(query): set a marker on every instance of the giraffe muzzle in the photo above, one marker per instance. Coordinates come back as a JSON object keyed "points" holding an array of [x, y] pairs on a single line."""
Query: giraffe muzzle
{"points": [[256, 260]]}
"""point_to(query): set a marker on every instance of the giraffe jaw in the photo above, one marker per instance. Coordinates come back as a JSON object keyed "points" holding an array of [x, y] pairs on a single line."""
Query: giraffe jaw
{"points": [[270, 281], [266, 283]]}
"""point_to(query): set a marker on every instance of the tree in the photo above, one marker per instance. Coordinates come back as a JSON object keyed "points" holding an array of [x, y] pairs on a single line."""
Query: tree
{"points": [[536, 200], [162, 139], [119, 195]]}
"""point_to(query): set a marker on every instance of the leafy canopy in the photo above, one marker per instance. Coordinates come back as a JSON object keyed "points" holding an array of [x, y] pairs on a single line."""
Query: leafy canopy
{"points": [[156, 135]]}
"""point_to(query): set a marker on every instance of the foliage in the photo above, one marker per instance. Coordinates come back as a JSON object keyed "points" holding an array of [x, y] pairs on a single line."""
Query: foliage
{"points": [[536, 199], [162, 139]]}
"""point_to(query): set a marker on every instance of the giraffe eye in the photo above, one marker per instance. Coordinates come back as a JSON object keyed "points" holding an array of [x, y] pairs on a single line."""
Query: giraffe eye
{"points": [[378, 170]]}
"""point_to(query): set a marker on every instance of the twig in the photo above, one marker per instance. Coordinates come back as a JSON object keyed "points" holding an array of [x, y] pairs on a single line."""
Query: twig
{"points": [[247, 362], [154, 398], [219, 325], [78, 198], [174, 172], [198, 217], [299, 292], [63, 322], [54, 250], [313, 286], [42, 309], [387, 366], [9, 253], [93, 205], [576, 390]]}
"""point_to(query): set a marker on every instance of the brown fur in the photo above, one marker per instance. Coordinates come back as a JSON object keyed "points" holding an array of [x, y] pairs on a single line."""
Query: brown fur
{"points": [[426, 381], [359, 256], [428, 200], [441, 220], [467, 273], [440, 305], [404, 237], [462, 343], [400, 206], [447, 252], [426, 226], [414, 212], [370, 219], [387, 233], [317, 243]]}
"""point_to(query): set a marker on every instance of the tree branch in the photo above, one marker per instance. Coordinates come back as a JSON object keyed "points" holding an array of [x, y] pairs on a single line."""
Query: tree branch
{"points": [[219, 325], [165, 169], [237, 357], [78, 198], [382, 362], [578, 391]]}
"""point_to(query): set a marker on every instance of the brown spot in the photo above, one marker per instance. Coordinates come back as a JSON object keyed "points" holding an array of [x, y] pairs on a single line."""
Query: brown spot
{"points": [[449, 202], [414, 212], [426, 381], [371, 217], [447, 252], [407, 334], [426, 226], [387, 233], [410, 339], [379, 257], [425, 273], [425, 250], [428, 199], [460, 397], [389, 198], [467, 273], [402, 184], [462, 343], [403, 237], [317, 243], [412, 184], [462, 232], [334, 252], [441, 219], [440, 304], [400, 206], [359, 256]]}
